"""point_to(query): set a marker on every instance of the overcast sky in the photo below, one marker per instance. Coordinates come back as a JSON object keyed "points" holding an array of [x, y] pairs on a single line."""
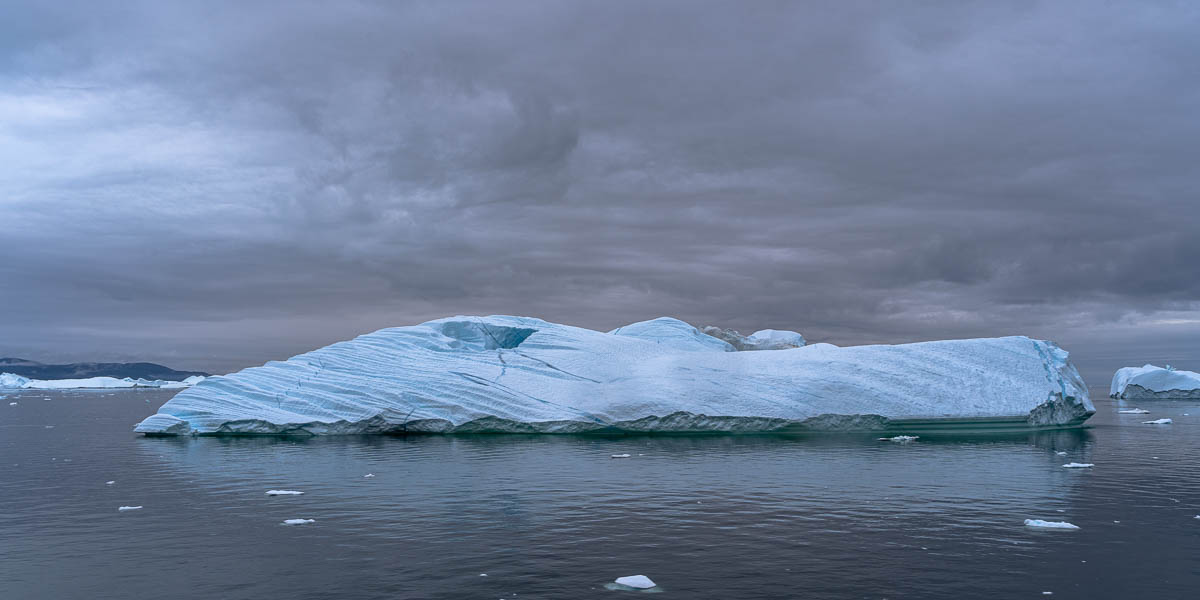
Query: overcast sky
{"points": [[214, 185]]}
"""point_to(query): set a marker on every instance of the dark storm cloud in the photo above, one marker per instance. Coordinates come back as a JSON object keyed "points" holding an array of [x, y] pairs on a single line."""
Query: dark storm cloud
{"points": [[215, 184]]}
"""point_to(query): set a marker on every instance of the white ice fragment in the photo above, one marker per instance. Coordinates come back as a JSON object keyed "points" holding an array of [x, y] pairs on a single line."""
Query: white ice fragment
{"points": [[1134, 411], [483, 574], [125, 508], [284, 493], [1153, 382], [1075, 465], [640, 582], [1157, 422], [620, 456], [1061, 453], [109, 482], [1049, 524], [299, 521], [12, 403], [368, 475], [900, 438]]}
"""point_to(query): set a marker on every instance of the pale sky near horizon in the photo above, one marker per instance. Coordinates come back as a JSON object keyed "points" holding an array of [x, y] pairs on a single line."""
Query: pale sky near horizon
{"points": [[210, 185]]}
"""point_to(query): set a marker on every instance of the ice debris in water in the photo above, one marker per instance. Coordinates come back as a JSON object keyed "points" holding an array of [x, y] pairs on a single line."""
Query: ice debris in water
{"points": [[12, 403], [1049, 524], [368, 475], [1157, 422], [284, 493], [109, 482], [1134, 411], [640, 582], [124, 508], [299, 521], [621, 456], [1061, 453], [900, 438], [1075, 465]]}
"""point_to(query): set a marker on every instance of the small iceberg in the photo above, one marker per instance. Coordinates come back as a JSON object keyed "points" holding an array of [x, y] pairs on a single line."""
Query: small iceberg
{"points": [[1075, 465], [368, 475], [284, 493], [1159, 383], [1060, 453], [1158, 422], [12, 403], [109, 482], [640, 582], [900, 438], [125, 508], [299, 521], [1049, 524], [1134, 411], [621, 455]]}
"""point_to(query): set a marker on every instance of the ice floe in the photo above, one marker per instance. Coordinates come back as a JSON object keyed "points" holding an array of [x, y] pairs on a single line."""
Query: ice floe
{"points": [[109, 482], [125, 508], [368, 475], [9, 380], [1076, 465], [517, 374], [621, 455], [640, 582], [299, 521], [1049, 524], [1149, 381], [1158, 422], [1061, 453], [900, 438], [284, 493], [1134, 411]]}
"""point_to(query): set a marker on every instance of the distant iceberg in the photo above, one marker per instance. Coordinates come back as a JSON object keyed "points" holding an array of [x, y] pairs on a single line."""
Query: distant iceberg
{"points": [[9, 380], [1151, 382], [517, 374]]}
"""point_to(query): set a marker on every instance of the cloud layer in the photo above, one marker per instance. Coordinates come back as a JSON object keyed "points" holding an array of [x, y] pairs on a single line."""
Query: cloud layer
{"points": [[212, 185]]}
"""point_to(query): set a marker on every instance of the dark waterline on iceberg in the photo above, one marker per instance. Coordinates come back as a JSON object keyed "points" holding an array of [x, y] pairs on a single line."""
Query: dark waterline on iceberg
{"points": [[830, 516]]}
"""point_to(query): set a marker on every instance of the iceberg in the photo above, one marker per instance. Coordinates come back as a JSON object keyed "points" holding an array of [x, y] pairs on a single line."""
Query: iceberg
{"points": [[298, 521], [125, 508], [526, 375], [1076, 465], [284, 493], [9, 380], [1155, 383], [640, 582], [764, 339], [1049, 524], [1157, 422]]}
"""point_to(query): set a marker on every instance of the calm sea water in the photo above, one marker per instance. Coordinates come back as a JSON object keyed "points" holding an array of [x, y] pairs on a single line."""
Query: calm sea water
{"points": [[834, 516]]}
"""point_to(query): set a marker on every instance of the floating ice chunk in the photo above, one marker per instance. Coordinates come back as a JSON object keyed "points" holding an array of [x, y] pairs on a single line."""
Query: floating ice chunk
{"points": [[640, 582], [1049, 524], [1158, 422], [12, 403], [1149, 381], [1060, 453], [299, 521], [1134, 411], [368, 475], [516, 374], [621, 456], [483, 574], [284, 493], [1075, 465], [109, 482], [1047, 593], [900, 438], [125, 508]]}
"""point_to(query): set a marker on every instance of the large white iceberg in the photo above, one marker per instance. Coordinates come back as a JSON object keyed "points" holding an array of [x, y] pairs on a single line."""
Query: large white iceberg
{"points": [[1151, 382], [517, 374], [9, 380]]}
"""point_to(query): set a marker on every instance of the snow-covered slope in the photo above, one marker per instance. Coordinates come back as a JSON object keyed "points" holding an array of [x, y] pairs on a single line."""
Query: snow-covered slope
{"points": [[1150, 382], [500, 373], [9, 380]]}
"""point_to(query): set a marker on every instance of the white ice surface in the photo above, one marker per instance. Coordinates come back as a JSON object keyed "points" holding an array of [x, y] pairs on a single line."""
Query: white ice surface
{"points": [[504, 373], [640, 582], [125, 508], [299, 521], [1149, 381], [9, 380], [1134, 411], [284, 493], [1158, 422], [1049, 524], [1076, 465]]}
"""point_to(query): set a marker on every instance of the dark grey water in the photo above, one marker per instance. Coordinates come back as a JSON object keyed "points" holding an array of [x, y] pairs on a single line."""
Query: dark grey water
{"points": [[556, 517]]}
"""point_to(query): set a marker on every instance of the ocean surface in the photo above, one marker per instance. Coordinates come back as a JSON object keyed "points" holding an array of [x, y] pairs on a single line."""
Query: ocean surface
{"points": [[819, 516]]}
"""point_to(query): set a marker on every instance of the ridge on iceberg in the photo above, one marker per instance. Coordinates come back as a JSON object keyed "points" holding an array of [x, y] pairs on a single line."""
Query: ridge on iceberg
{"points": [[764, 339], [1155, 383], [519, 374], [9, 380]]}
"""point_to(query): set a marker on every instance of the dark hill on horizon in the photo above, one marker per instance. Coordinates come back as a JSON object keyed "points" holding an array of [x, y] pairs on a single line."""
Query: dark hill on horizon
{"points": [[142, 370]]}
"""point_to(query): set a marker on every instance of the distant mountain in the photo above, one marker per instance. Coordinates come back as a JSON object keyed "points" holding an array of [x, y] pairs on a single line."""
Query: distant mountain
{"points": [[140, 370]]}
